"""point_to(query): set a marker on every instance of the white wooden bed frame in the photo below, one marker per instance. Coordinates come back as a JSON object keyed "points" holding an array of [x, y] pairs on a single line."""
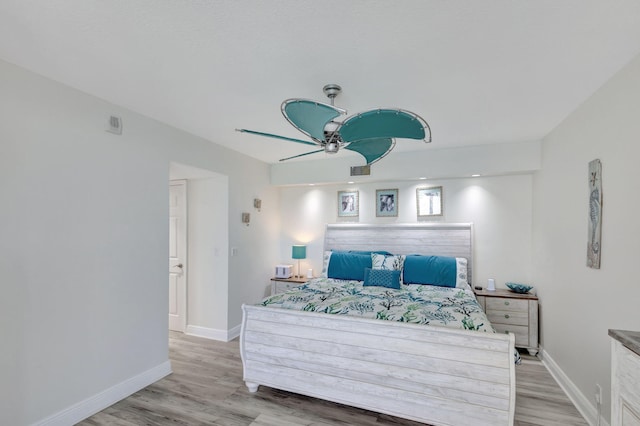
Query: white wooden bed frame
{"points": [[435, 375]]}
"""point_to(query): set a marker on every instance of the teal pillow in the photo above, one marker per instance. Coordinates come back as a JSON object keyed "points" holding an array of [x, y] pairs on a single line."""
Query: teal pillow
{"points": [[433, 270], [348, 266], [382, 278]]}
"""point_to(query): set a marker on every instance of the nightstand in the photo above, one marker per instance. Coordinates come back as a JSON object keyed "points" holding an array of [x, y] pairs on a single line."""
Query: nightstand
{"points": [[512, 312], [280, 285]]}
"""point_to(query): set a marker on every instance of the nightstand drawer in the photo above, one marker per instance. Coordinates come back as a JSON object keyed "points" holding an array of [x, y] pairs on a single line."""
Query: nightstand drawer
{"points": [[509, 317], [521, 333], [503, 304], [282, 286]]}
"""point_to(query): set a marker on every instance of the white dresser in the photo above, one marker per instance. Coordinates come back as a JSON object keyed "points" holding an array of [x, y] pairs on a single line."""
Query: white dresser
{"points": [[625, 378]]}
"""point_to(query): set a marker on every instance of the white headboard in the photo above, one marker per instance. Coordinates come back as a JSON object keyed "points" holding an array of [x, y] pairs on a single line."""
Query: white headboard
{"points": [[434, 239]]}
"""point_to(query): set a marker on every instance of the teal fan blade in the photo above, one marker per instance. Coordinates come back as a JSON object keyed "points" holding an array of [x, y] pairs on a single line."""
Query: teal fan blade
{"points": [[372, 149], [384, 123], [271, 135], [310, 117], [302, 155]]}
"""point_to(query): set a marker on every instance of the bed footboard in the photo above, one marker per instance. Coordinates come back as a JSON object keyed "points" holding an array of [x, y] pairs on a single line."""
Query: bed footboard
{"points": [[435, 375]]}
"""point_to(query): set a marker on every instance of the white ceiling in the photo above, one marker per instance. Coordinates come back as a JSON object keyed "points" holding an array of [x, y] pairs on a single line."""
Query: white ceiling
{"points": [[479, 72]]}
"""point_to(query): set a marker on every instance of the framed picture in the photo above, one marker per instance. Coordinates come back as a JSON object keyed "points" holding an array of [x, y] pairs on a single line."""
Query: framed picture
{"points": [[348, 204], [429, 201], [386, 202]]}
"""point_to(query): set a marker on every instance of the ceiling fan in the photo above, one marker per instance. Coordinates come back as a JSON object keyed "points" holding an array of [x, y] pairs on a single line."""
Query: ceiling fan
{"points": [[370, 133]]}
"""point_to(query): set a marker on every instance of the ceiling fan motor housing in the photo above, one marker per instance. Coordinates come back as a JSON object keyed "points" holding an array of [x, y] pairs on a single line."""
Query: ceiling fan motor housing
{"points": [[332, 90]]}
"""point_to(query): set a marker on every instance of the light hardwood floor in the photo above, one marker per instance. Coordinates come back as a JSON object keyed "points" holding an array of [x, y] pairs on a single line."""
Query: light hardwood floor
{"points": [[206, 388]]}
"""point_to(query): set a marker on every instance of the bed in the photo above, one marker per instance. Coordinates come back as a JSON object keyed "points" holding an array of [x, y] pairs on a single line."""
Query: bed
{"points": [[405, 367]]}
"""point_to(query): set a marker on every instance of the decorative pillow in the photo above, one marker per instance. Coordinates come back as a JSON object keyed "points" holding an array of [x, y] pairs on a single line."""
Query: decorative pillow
{"points": [[327, 258], [390, 262], [382, 278], [434, 270], [325, 263], [348, 266], [461, 273]]}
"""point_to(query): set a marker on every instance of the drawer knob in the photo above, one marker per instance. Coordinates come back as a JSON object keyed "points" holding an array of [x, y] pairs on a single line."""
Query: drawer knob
{"points": [[506, 302], [506, 315]]}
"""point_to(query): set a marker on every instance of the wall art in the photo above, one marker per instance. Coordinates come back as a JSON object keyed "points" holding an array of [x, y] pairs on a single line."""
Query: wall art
{"points": [[429, 201], [594, 245], [348, 204], [386, 202]]}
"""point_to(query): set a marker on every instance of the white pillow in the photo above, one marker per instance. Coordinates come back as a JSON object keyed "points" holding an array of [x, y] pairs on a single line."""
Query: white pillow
{"points": [[325, 263], [461, 273], [388, 262]]}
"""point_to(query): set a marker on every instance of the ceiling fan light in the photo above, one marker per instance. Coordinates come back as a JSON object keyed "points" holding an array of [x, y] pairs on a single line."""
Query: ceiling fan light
{"points": [[331, 147]]}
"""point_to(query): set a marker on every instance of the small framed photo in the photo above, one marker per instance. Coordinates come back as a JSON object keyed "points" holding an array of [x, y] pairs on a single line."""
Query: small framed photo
{"points": [[429, 201], [348, 204], [386, 202]]}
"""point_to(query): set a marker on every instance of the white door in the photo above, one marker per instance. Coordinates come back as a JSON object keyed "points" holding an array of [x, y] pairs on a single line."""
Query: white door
{"points": [[178, 255]]}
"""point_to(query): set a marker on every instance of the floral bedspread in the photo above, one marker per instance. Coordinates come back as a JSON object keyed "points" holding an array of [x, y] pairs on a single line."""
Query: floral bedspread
{"points": [[420, 304]]}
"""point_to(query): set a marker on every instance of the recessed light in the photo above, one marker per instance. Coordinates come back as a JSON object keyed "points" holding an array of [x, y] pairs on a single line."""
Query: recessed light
{"points": [[351, 182], [311, 184], [475, 175], [422, 178]]}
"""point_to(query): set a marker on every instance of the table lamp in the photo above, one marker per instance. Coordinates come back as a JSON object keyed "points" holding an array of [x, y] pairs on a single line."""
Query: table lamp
{"points": [[299, 252]]}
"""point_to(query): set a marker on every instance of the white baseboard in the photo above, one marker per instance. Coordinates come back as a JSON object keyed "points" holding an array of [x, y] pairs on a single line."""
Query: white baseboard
{"points": [[213, 334], [234, 332], [106, 398], [582, 403]]}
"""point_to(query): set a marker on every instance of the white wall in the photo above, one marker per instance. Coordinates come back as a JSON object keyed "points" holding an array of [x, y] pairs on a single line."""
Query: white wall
{"points": [[208, 253], [499, 207], [84, 244], [580, 304]]}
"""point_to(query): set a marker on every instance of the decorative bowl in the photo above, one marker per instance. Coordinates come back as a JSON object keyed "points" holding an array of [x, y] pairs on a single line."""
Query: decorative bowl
{"points": [[519, 288]]}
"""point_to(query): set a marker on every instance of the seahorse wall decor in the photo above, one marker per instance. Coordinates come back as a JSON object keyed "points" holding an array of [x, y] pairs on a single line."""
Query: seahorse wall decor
{"points": [[595, 214]]}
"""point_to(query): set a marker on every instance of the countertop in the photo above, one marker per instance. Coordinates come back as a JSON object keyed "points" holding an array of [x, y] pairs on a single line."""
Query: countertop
{"points": [[630, 339]]}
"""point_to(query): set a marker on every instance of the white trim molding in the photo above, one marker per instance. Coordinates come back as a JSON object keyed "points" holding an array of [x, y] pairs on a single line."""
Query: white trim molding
{"points": [[582, 403], [213, 334], [106, 398]]}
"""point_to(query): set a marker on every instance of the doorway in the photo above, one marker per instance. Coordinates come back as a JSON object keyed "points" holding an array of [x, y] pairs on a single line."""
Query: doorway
{"points": [[205, 269]]}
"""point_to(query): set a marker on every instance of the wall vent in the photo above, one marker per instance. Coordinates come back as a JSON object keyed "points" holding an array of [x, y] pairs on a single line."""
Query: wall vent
{"points": [[361, 170], [114, 125]]}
